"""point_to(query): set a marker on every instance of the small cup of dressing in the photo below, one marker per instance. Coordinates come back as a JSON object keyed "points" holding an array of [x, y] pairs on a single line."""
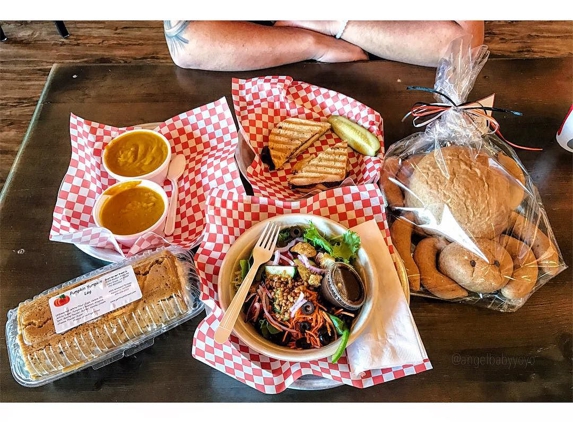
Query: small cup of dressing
{"points": [[343, 286]]}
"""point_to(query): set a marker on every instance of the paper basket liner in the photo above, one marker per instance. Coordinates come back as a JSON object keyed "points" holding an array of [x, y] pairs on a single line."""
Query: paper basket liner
{"points": [[261, 103], [206, 135], [228, 215]]}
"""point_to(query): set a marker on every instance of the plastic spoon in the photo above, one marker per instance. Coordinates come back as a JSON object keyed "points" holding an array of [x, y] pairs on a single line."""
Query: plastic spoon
{"points": [[175, 171]]}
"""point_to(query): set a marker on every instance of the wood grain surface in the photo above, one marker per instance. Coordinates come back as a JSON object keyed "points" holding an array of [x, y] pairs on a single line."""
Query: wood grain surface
{"points": [[34, 46], [478, 355]]}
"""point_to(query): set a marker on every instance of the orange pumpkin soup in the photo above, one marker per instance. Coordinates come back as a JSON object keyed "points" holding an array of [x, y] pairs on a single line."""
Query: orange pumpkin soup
{"points": [[131, 209], [135, 154]]}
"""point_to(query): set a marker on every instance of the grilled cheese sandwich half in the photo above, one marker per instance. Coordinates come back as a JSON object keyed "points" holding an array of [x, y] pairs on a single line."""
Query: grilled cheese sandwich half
{"points": [[327, 168], [293, 136]]}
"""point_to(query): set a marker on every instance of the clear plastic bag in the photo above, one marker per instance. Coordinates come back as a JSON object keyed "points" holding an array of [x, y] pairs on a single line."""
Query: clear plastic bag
{"points": [[466, 217]]}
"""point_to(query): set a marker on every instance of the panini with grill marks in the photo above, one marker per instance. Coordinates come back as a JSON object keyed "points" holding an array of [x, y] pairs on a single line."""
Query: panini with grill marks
{"points": [[293, 136], [330, 166]]}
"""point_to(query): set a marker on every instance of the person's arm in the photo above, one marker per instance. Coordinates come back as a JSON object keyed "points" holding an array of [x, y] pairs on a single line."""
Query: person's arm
{"points": [[415, 42], [236, 45]]}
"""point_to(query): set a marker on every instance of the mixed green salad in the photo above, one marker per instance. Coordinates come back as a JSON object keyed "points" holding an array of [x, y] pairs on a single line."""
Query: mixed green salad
{"points": [[285, 303]]}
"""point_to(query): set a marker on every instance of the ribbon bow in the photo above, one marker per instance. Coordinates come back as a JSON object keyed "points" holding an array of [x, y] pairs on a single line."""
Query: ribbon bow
{"points": [[425, 113]]}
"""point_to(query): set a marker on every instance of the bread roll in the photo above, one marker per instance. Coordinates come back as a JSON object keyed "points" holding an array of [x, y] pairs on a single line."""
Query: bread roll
{"points": [[463, 180], [401, 232], [525, 269], [543, 248], [473, 272], [391, 190], [426, 255]]}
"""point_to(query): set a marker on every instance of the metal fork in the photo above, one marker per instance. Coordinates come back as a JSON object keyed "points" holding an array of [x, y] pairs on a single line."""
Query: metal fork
{"points": [[262, 253]]}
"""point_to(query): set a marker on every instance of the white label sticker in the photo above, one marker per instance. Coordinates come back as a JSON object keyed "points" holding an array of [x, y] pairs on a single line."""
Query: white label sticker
{"points": [[94, 298]]}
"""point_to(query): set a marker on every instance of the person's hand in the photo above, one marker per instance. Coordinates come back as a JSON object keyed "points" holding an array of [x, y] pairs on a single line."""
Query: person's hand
{"points": [[331, 50], [324, 27]]}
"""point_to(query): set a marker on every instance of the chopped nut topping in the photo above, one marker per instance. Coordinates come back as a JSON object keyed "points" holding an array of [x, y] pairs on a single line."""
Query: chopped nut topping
{"points": [[285, 291]]}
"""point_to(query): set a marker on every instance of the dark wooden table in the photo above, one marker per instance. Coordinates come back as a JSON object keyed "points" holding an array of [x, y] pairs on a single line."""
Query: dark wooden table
{"points": [[477, 354]]}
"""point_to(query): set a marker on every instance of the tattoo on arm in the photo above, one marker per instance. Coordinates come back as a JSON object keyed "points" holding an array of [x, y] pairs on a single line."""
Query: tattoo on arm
{"points": [[174, 35]]}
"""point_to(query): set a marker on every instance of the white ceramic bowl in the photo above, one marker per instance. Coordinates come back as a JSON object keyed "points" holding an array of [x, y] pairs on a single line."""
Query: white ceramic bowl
{"points": [[129, 240], [158, 175], [242, 248]]}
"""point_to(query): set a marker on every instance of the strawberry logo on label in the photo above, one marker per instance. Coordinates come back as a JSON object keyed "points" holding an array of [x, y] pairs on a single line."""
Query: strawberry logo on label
{"points": [[61, 301]]}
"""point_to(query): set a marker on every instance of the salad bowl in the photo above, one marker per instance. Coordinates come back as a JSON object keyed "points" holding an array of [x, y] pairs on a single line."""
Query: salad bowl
{"points": [[241, 249]]}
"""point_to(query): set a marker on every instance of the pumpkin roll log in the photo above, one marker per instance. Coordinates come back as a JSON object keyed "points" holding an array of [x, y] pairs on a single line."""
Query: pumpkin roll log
{"points": [[162, 280]]}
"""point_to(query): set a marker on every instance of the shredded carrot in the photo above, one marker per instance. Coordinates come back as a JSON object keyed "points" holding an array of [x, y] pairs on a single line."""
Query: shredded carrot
{"points": [[312, 338], [318, 320], [329, 324]]}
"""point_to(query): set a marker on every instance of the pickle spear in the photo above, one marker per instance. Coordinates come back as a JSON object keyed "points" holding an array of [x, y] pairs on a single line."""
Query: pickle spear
{"points": [[358, 138]]}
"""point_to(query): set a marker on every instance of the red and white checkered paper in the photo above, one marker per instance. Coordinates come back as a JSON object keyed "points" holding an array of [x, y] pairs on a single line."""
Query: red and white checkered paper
{"points": [[207, 136], [228, 215], [261, 103]]}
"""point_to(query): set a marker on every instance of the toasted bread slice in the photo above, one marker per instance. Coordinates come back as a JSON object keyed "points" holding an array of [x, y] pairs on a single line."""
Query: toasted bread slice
{"points": [[327, 167], [293, 136]]}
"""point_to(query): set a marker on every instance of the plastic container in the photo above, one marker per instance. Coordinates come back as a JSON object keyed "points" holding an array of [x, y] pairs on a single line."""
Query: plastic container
{"points": [[82, 330]]}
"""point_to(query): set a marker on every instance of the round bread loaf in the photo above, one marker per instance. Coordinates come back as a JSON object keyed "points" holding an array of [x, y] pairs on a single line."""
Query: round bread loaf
{"points": [[407, 168], [474, 273], [461, 178], [511, 170], [511, 167]]}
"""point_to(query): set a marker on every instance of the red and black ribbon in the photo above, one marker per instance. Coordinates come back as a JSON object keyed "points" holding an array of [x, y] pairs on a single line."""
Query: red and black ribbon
{"points": [[425, 113]]}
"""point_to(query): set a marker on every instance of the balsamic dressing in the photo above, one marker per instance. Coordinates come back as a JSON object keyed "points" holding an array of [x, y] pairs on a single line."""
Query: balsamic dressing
{"points": [[343, 286], [348, 284]]}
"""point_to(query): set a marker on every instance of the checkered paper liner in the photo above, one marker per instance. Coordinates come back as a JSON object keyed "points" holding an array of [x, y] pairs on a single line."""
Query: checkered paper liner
{"points": [[261, 103], [206, 136], [228, 215]]}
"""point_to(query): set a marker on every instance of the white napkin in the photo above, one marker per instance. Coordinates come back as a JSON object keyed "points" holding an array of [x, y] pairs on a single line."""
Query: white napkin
{"points": [[391, 338]]}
